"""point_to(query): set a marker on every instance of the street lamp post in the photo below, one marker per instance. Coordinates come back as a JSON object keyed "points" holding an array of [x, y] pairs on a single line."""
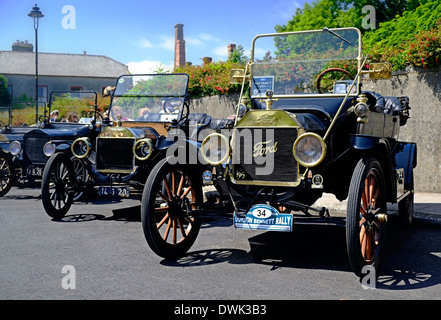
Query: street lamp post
{"points": [[36, 15]]}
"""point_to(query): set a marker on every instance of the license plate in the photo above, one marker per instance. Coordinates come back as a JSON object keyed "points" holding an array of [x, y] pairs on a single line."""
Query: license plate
{"points": [[122, 192], [34, 171], [264, 217]]}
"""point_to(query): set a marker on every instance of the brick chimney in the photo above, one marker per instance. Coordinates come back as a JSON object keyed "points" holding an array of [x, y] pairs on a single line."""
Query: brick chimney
{"points": [[231, 48], [179, 46]]}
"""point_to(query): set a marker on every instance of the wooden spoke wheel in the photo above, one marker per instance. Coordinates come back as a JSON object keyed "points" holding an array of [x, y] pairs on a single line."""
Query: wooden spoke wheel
{"points": [[170, 203], [6, 174], [82, 176], [366, 215], [58, 185]]}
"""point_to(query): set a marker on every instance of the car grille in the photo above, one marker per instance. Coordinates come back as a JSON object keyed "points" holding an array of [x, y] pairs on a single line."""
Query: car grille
{"points": [[33, 149], [115, 154], [265, 156]]}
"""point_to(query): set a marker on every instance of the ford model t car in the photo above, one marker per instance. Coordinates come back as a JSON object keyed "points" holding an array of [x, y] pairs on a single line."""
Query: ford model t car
{"points": [[16, 120], [304, 126], [143, 110], [32, 145]]}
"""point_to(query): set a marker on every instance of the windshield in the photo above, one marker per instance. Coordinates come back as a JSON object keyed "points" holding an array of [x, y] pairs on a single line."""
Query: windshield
{"points": [[72, 106], [305, 62], [21, 113], [149, 97]]}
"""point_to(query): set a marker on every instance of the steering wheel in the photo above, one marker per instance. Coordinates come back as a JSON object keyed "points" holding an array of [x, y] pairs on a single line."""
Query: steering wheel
{"points": [[43, 118], [3, 126], [330, 86], [172, 104]]}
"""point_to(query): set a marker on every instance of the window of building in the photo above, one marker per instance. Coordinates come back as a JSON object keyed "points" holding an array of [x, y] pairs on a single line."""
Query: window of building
{"points": [[43, 93], [10, 90]]}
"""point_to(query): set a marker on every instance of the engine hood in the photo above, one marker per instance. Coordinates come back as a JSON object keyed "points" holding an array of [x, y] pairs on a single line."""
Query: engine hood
{"points": [[308, 120], [68, 133], [126, 132]]}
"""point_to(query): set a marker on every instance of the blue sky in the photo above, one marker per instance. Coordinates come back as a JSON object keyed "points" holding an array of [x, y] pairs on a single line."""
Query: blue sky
{"points": [[141, 33]]}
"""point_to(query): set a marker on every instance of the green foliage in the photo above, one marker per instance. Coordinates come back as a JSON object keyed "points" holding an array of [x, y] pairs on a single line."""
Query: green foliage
{"points": [[407, 33], [238, 56], [5, 98], [210, 79]]}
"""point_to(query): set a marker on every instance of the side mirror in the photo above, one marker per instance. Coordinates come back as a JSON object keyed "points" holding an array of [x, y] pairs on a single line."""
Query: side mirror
{"points": [[380, 70], [237, 75], [108, 91]]}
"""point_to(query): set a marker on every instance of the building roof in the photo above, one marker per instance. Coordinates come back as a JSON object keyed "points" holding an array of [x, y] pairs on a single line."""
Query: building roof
{"points": [[60, 64]]}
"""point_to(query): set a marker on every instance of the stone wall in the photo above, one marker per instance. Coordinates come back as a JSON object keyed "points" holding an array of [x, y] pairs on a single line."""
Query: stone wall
{"points": [[423, 87]]}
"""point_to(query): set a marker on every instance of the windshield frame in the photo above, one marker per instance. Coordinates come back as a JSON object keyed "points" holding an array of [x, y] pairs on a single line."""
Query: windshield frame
{"points": [[48, 109], [168, 117], [305, 95]]}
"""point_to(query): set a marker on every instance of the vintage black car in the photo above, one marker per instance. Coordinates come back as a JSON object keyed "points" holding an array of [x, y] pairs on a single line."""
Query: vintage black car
{"points": [[68, 115], [144, 109], [16, 120], [304, 126]]}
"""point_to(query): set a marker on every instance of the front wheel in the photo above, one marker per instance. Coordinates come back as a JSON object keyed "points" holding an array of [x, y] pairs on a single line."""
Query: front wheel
{"points": [[170, 201], [58, 185], [366, 215], [6, 174]]}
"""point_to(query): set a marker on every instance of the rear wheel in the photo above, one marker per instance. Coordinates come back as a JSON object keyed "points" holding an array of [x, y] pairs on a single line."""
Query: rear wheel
{"points": [[366, 215], [170, 201], [6, 173], [406, 205], [58, 185]]}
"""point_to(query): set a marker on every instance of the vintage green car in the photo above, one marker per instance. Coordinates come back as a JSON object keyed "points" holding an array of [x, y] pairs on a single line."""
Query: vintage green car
{"points": [[304, 126]]}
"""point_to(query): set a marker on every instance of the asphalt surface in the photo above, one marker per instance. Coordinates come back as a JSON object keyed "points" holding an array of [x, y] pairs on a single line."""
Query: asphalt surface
{"points": [[100, 242]]}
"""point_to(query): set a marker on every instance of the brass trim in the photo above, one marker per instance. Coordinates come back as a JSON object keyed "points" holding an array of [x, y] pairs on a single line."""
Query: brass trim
{"points": [[323, 144], [224, 158], [266, 183], [149, 143], [88, 145]]}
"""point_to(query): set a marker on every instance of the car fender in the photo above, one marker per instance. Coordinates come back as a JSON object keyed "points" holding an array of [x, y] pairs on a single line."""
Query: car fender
{"points": [[377, 147], [362, 142], [405, 156]]}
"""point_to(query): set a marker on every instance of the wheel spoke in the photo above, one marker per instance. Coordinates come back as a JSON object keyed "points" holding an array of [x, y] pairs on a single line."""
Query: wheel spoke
{"points": [[174, 231], [159, 225], [167, 187], [173, 182], [162, 196], [167, 230], [181, 183], [186, 192], [181, 227]]}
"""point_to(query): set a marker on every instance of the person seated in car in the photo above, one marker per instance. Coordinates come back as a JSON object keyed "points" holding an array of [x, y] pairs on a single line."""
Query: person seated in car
{"points": [[72, 117], [54, 115]]}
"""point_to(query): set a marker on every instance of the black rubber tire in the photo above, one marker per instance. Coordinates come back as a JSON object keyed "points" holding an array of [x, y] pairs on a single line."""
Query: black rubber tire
{"points": [[58, 185], [364, 237], [6, 173], [158, 208], [406, 205]]}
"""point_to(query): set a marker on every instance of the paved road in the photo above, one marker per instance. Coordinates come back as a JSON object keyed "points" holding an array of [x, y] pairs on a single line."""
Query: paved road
{"points": [[105, 250]]}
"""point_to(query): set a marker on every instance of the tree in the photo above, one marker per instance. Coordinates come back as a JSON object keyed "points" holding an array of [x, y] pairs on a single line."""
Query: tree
{"points": [[347, 13], [238, 56], [5, 98]]}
